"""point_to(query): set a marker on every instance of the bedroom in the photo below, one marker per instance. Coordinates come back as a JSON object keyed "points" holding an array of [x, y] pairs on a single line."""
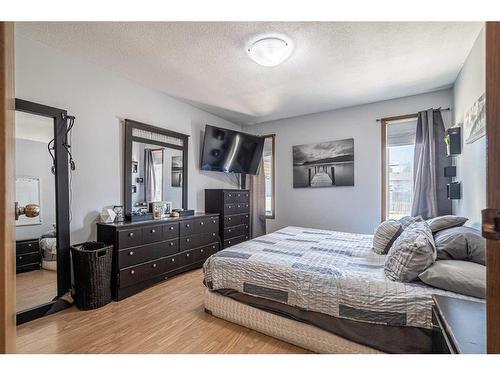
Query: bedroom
{"points": [[329, 203]]}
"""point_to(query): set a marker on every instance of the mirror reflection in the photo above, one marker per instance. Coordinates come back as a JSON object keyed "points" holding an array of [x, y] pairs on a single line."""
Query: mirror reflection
{"points": [[36, 248], [156, 176]]}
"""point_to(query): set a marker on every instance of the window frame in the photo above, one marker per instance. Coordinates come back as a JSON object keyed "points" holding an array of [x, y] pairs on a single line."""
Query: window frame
{"points": [[383, 130], [272, 216]]}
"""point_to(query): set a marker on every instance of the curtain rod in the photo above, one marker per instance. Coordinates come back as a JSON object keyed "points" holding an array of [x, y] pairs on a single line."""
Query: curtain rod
{"points": [[395, 117]]}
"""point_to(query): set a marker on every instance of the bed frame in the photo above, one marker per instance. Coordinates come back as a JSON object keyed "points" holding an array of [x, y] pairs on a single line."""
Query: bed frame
{"points": [[297, 333]]}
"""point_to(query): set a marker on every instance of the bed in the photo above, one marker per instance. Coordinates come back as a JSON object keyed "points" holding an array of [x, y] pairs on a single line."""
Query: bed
{"points": [[322, 290]]}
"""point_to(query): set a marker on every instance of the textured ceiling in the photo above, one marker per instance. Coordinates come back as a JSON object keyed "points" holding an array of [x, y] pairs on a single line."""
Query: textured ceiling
{"points": [[334, 64]]}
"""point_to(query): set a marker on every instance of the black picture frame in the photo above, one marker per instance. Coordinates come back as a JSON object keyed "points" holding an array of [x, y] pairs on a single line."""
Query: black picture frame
{"points": [[130, 125], [62, 209]]}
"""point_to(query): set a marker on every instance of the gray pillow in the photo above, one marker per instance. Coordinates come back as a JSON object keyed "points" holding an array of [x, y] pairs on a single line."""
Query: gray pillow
{"points": [[445, 222], [385, 235], [461, 243], [411, 253], [457, 276], [406, 221]]}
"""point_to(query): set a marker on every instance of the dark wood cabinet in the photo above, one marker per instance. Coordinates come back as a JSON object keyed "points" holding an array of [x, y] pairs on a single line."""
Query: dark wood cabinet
{"points": [[28, 256], [234, 208], [459, 326], [149, 251]]}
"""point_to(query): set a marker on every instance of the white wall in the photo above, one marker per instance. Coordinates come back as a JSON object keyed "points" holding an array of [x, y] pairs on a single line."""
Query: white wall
{"points": [[471, 164], [33, 160], [100, 99], [352, 209]]}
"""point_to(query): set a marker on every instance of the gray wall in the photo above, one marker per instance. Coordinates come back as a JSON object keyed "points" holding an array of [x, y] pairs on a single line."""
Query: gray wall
{"points": [[100, 99], [352, 209], [33, 160], [471, 164]]}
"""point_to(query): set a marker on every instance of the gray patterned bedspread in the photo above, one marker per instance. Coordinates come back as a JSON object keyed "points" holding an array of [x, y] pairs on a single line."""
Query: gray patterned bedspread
{"points": [[334, 273]]}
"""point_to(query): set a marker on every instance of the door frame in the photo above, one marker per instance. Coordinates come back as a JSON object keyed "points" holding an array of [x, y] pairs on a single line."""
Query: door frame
{"points": [[493, 182], [7, 191]]}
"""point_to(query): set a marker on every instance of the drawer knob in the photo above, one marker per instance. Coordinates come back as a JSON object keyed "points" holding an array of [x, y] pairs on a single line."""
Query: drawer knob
{"points": [[229, 230], [131, 253], [213, 234], [153, 231], [246, 216], [131, 234], [132, 272], [228, 242], [20, 258], [213, 246], [201, 250], [229, 195], [171, 228], [228, 219], [171, 244], [187, 225], [239, 195], [202, 223], [154, 265], [187, 239], [172, 260], [213, 221], [187, 255], [29, 245]]}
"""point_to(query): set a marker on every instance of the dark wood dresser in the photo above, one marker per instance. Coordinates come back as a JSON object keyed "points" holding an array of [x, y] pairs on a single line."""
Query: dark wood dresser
{"points": [[149, 251], [459, 326], [234, 208], [28, 256]]}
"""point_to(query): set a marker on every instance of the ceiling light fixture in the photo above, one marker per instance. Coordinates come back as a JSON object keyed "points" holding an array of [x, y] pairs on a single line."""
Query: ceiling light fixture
{"points": [[270, 51]]}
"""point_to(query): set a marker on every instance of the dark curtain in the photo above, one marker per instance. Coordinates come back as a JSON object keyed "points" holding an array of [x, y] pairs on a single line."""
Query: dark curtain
{"points": [[149, 176], [257, 187], [429, 196]]}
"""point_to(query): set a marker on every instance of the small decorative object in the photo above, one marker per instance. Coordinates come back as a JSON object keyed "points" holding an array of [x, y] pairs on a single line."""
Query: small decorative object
{"points": [[168, 207], [107, 215], [134, 189], [158, 212], [174, 214], [135, 166], [138, 216], [139, 180], [176, 171], [155, 207], [475, 120], [119, 214], [183, 212], [325, 164]]}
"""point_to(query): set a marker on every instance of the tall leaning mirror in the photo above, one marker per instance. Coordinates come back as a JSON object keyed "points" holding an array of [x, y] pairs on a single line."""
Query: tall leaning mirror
{"points": [[42, 210], [155, 168]]}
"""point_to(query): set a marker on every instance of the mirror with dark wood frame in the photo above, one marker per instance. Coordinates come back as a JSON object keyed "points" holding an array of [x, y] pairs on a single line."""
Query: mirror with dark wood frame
{"points": [[42, 196], [155, 167]]}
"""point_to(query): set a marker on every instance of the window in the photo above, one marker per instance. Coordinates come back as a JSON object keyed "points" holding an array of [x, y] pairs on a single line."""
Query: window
{"points": [[269, 171], [398, 145]]}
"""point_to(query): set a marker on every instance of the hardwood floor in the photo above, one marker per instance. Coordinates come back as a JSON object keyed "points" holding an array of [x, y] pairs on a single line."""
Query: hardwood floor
{"points": [[167, 318], [35, 288]]}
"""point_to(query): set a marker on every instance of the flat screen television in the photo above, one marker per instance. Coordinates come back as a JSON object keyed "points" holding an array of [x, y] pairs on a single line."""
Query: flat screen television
{"points": [[226, 150]]}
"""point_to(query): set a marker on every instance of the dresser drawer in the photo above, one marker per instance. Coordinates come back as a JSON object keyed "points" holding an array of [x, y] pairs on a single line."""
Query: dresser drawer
{"points": [[235, 241], [198, 226], [197, 240], [236, 197], [27, 247], [236, 208], [231, 232], [141, 254], [233, 220], [173, 262], [28, 258], [145, 271], [152, 234], [129, 238], [170, 231]]}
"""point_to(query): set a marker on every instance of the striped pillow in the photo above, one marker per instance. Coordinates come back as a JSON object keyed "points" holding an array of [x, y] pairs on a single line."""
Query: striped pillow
{"points": [[385, 235], [406, 221]]}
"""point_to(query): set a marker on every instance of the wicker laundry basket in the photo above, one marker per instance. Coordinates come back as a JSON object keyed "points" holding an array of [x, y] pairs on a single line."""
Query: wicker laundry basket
{"points": [[92, 272]]}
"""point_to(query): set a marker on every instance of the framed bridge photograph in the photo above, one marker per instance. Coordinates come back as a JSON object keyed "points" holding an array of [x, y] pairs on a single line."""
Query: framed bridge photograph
{"points": [[325, 164]]}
